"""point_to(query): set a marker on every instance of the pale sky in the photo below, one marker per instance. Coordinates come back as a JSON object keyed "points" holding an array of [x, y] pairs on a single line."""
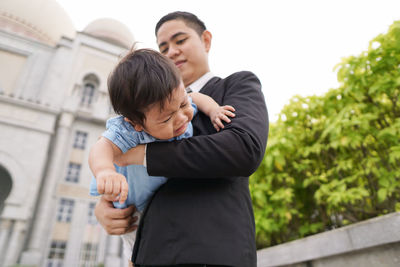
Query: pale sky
{"points": [[291, 45]]}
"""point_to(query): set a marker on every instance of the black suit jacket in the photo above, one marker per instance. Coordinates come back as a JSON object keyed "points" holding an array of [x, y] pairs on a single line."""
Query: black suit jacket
{"points": [[204, 214]]}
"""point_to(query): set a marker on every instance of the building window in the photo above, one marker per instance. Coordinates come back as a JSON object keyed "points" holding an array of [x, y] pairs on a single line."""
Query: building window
{"points": [[73, 172], [88, 255], [80, 140], [90, 83], [87, 95], [6, 184], [91, 217], [56, 254], [65, 209]]}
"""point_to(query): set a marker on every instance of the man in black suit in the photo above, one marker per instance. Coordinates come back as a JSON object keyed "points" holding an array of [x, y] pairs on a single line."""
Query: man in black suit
{"points": [[203, 215]]}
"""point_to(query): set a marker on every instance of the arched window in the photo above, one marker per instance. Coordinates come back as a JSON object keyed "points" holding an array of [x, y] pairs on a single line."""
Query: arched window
{"points": [[5, 186], [90, 84]]}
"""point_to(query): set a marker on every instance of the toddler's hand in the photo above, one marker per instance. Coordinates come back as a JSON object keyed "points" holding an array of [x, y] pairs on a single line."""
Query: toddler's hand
{"points": [[221, 114], [110, 182]]}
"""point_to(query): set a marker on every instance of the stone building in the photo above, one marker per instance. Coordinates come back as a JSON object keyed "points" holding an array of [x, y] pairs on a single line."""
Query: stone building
{"points": [[53, 107]]}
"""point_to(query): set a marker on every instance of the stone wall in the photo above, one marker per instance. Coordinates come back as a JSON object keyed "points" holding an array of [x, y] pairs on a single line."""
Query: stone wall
{"points": [[375, 242]]}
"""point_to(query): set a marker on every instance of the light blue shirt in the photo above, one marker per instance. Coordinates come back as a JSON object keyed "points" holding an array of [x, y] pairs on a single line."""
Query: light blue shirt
{"points": [[141, 185]]}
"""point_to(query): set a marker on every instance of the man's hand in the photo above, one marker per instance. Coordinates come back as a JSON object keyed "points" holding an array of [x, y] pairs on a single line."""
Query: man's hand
{"points": [[220, 114], [112, 183], [115, 221]]}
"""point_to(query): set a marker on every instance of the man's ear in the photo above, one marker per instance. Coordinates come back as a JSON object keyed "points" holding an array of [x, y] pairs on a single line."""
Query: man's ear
{"points": [[137, 127], [207, 37]]}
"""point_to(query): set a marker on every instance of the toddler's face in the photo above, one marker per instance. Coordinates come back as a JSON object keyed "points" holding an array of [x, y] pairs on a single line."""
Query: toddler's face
{"points": [[172, 120]]}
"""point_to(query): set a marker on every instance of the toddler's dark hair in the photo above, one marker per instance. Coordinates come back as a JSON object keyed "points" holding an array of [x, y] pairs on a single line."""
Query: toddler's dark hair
{"points": [[142, 78]]}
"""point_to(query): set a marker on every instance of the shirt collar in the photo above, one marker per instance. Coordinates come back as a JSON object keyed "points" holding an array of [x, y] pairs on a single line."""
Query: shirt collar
{"points": [[199, 83]]}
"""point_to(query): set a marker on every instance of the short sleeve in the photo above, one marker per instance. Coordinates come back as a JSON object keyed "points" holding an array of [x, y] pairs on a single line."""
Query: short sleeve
{"points": [[123, 135], [194, 106]]}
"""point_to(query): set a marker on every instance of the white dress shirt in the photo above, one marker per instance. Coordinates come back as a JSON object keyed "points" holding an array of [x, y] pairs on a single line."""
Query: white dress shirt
{"points": [[200, 82]]}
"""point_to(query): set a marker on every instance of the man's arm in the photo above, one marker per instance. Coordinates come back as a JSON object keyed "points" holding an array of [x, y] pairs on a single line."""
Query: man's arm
{"points": [[235, 151]]}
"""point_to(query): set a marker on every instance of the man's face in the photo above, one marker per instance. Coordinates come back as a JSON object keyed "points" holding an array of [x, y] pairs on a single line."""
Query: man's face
{"points": [[170, 121], [185, 48]]}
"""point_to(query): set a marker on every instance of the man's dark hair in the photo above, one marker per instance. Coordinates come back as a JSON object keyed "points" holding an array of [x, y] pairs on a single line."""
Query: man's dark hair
{"points": [[142, 78], [190, 20]]}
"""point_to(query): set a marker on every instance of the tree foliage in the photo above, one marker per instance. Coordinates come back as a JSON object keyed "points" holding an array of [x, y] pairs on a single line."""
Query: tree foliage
{"points": [[334, 159]]}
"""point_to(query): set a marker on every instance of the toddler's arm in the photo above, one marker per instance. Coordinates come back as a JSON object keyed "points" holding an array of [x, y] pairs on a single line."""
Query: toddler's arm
{"points": [[101, 158], [211, 108], [134, 156]]}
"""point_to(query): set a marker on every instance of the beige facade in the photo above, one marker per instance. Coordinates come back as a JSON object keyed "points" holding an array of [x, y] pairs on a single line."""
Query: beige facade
{"points": [[53, 107]]}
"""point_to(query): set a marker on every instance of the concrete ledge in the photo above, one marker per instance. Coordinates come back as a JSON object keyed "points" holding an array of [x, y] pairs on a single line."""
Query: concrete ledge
{"points": [[371, 233]]}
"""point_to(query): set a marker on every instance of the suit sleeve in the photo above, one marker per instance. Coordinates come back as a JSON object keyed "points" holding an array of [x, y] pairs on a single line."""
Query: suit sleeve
{"points": [[237, 150]]}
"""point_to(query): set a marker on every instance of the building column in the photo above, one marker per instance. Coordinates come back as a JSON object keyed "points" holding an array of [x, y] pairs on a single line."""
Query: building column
{"points": [[101, 250], [5, 231], [37, 245], [113, 258], [74, 244], [15, 244]]}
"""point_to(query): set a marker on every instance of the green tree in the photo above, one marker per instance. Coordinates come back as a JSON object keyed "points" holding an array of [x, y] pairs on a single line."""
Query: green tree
{"points": [[334, 159]]}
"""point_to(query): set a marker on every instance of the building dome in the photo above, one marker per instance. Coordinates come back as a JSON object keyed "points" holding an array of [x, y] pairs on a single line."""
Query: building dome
{"points": [[43, 20], [112, 31]]}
